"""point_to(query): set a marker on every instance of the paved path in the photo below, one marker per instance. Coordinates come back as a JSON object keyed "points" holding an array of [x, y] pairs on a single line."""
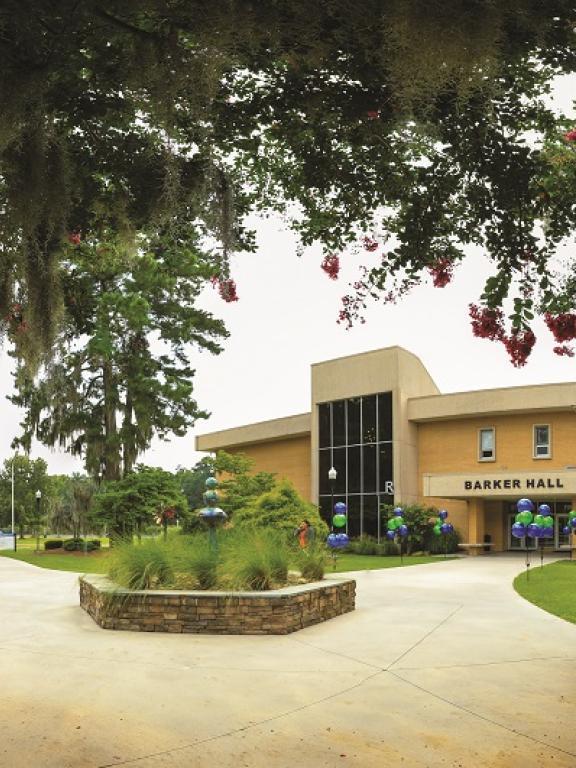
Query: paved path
{"points": [[440, 665]]}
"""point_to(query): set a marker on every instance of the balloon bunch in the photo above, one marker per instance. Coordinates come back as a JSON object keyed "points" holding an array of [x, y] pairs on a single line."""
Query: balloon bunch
{"points": [[396, 525], [338, 540], [571, 527], [441, 527], [539, 526]]}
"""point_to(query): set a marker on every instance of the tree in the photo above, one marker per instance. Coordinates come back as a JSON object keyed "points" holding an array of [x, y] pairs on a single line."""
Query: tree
{"points": [[120, 373], [375, 118], [29, 477], [128, 505], [280, 509]]}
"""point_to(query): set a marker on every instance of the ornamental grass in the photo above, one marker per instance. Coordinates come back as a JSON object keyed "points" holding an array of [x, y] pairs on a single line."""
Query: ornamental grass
{"points": [[242, 560]]}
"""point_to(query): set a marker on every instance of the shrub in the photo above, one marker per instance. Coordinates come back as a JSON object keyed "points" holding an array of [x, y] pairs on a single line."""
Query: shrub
{"points": [[312, 562], [417, 518], [438, 545], [280, 509], [192, 555], [53, 544], [141, 566], [256, 559], [79, 545]]}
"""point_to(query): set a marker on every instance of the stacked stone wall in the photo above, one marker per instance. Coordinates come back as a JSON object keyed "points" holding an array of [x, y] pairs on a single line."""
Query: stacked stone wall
{"points": [[277, 612]]}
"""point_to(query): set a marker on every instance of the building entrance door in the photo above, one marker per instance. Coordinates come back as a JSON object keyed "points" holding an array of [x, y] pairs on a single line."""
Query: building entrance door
{"points": [[559, 511]]}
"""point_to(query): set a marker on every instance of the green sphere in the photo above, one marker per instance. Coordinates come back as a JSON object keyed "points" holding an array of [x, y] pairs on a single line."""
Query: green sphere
{"points": [[211, 482], [393, 523], [548, 522], [437, 530], [339, 521], [524, 517], [572, 514]]}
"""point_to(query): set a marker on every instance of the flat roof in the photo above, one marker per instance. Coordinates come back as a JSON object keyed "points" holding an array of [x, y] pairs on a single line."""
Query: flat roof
{"points": [[286, 428], [493, 402]]}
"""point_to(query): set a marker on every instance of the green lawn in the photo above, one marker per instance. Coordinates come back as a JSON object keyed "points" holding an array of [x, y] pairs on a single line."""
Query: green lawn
{"points": [[97, 562], [552, 588], [94, 562], [374, 562]]}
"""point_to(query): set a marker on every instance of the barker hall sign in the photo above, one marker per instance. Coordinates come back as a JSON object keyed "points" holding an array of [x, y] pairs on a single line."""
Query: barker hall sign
{"points": [[549, 484]]}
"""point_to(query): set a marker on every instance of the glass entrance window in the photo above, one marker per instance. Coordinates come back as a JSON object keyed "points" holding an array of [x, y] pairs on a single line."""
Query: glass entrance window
{"points": [[355, 437]]}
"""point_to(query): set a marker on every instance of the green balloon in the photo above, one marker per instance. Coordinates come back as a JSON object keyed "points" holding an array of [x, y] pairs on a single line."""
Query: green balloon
{"points": [[393, 523], [539, 520], [437, 530], [572, 514], [548, 522], [524, 517], [339, 521]]}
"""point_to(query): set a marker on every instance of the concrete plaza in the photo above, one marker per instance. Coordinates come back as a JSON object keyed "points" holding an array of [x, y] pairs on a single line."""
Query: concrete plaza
{"points": [[440, 665]]}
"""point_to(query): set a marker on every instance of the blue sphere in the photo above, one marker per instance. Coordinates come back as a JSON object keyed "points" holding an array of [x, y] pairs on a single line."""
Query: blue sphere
{"points": [[446, 528], [518, 530], [442, 514], [544, 510], [340, 508], [566, 529], [525, 505], [573, 522], [343, 539], [399, 512], [403, 530], [533, 530], [390, 535], [337, 540], [547, 533]]}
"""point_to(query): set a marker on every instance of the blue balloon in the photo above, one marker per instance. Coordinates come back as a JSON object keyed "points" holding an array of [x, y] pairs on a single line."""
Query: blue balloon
{"points": [[573, 522], [442, 514], [533, 530], [518, 530], [398, 511], [544, 510], [390, 535], [566, 529], [524, 505], [337, 540], [446, 528], [340, 508], [403, 530]]}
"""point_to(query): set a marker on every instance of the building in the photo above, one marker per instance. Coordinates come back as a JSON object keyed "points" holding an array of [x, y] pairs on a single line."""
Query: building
{"points": [[379, 419]]}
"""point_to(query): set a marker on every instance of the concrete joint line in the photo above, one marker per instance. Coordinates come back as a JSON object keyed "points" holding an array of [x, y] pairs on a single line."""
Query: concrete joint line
{"points": [[425, 637], [482, 717]]}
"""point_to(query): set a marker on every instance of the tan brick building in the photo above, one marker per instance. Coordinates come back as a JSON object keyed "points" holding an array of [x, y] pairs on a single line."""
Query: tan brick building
{"points": [[379, 419]]}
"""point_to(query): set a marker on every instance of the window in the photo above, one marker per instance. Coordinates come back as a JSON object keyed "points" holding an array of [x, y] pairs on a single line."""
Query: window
{"points": [[355, 437], [487, 442], [542, 441]]}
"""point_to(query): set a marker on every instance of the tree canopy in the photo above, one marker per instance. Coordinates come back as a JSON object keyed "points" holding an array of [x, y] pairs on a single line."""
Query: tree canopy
{"points": [[420, 127], [120, 371]]}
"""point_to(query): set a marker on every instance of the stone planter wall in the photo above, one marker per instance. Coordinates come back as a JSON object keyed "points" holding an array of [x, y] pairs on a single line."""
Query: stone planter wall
{"points": [[276, 612]]}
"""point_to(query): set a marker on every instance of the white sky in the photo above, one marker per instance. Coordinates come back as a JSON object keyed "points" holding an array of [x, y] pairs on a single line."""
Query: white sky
{"points": [[286, 319]]}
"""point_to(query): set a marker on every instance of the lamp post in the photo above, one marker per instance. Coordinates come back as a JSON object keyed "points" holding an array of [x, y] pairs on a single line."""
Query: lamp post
{"points": [[332, 475], [38, 497], [13, 518]]}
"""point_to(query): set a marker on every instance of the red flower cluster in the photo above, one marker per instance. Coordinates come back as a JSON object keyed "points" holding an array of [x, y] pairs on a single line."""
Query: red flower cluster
{"points": [[331, 265], [442, 271], [74, 238], [486, 323], [571, 135], [563, 326], [369, 244], [227, 290], [519, 346], [564, 351]]}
